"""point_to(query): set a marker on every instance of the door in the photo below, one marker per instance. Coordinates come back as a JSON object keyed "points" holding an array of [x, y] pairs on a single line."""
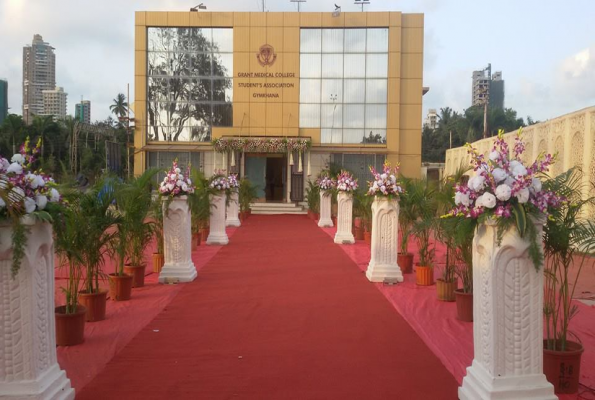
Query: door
{"points": [[256, 171]]}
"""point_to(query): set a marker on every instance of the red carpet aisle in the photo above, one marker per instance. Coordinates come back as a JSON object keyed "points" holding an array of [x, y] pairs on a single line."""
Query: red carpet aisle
{"points": [[280, 313]]}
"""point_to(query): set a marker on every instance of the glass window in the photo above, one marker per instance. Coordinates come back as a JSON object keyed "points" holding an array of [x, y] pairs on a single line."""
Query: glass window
{"points": [[310, 41], [376, 91], [354, 90], [353, 116], [223, 65], [331, 116], [157, 88], [332, 41], [200, 64], [376, 65], [310, 65], [310, 115], [222, 90], [222, 115], [331, 65], [375, 116], [310, 91], [353, 135], [355, 66], [158, 39], [200, 90], [332, 91], [375, 136], [201, 40], [377, 40], [158, 63], [222, 40], [355, 40]]}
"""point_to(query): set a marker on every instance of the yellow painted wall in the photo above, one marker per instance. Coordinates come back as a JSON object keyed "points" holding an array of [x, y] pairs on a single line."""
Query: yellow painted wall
{"points": [[279, 116]]}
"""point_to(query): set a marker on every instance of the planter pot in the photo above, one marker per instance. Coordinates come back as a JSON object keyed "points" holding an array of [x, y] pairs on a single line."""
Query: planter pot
{"points": [[316, 216], [204, 234], [464, 305], [95, 305], [405, 261], [158, 261], [359, 233], [424, 276], [563, 368], [334, 220], [446, 290], [195, 241], [138, 274], [70, 328], [120, 287], [368, 237]]}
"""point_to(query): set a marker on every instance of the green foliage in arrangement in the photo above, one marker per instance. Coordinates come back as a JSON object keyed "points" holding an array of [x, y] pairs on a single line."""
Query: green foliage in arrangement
{"points": [[199, 201], [362, 207], [313, 197], [425, 207], [247, 194]]}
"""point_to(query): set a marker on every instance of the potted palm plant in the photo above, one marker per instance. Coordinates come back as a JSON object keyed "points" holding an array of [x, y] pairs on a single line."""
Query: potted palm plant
{"points": [[247, 194], [359, 199], [157, 215], [569, 238], [407, 215], [200, 206], [423, 194], [313, 200]]}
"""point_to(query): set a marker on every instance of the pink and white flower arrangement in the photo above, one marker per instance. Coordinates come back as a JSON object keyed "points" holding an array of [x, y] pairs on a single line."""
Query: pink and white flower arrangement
{"points": [[346, 182], [233, 182], [27, 190], [325, 182], [176, 183], [385, 183], [219, 182]]}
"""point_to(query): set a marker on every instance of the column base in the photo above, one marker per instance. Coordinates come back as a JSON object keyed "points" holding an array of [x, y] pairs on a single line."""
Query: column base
{"points": [[479, 385], [325, 223], [52, 385], [380, 272], [233, 222], [217, 239], [345, 238], [178, 273]]}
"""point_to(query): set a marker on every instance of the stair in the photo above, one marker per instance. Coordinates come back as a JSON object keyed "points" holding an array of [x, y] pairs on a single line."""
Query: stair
{"points": [[277, 208]]}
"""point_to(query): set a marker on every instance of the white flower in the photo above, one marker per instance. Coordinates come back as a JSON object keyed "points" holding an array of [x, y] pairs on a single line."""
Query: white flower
{"points": [[503, 192], [54, 195], [33, 182], [461, 198], [477, 183], [523, 195], [499, 174], [41, 201], [517, 168], [15, 168], [165, 180], [184, 187], [179, 183], [29, 205], [509, 181], [177, 170], [479, 201], [18, 192], [4, 163], [170, 186], [488, 200], [40, 180], [536, 183], [189, 181], [494, 155], [383, 176], [18, 158]]}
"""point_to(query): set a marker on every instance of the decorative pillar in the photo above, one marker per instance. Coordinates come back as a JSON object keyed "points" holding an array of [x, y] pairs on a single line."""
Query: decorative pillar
{"points": [[177, 242], [508, 320], [242, 164], [344, 234], [217, 234], [28, 365], [232, 210], [288, 183], [385, 231], [325, 210]]}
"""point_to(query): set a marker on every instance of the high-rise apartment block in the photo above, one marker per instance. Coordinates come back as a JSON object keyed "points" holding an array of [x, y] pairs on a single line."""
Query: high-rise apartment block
{"points": [[3, 99], [39, 74], [54, 102], [82, 111], [431, 121], [488, 87]]}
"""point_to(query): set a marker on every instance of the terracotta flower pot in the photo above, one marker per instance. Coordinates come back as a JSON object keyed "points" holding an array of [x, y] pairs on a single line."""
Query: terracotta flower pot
{"points": [[204, 234], [446, 290], [138, 274], [158, 261], [316, 216], [424, 276], [464, 305], [368, 237], [405, 261], [195, 241], [95, 305], [563, 368], [334, 219], [70, 328], [358, 232], [120, 287]]}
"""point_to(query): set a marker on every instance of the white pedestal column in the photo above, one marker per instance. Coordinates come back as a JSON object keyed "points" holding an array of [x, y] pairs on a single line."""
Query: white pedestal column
{"points": [[508, 320], [28, 365], [177, 240], [385, 231], [325, 210], [344, 234], [232, 210], [217, 234]]}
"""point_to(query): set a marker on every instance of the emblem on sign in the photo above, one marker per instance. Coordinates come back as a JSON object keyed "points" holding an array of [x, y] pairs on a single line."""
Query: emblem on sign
{"points": [[266, 55]]}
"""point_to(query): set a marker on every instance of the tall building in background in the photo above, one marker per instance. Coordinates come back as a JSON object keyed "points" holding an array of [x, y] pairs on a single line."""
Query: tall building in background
{"points": [[54, 102], [3, 99], [487, 87], [39, 74], [82, 111], [431, 119]]}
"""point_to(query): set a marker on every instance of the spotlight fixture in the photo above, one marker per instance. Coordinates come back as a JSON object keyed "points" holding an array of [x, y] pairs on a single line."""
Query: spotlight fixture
{"points": [[337, 11], [201, 6]]}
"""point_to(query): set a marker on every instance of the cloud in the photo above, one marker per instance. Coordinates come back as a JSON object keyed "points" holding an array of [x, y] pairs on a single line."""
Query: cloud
{"points": [[575, 76]]}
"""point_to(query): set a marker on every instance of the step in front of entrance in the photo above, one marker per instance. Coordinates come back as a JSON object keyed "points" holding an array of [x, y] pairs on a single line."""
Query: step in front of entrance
{"points": [[276, 208]]}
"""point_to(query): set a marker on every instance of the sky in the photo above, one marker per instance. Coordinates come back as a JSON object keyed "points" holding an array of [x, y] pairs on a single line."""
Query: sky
{"points": [[544, 48]]}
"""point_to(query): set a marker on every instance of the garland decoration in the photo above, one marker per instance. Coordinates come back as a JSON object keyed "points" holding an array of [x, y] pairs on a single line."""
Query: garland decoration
{"points": [[261, 145]]}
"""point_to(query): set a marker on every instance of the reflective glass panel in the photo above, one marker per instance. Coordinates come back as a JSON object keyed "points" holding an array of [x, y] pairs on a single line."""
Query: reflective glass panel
{"points": [[353, 135], [376, 65], [157, 88], [375, 136], [355, 66], [200, 115], [200, 64], [222, 40], [331, 116], [353, 116], [158, 63], [223, 65], [200, 90], [158, 39], [377, 40], [183, 40], [310, 115], [332, 91], [222, 115], [310, 65], [222, 90], [355, 40], [309, 90], [332, 40], [201, 39], [310, 41], [331, 65], [376, 90], [354, 90], [375, 116]]}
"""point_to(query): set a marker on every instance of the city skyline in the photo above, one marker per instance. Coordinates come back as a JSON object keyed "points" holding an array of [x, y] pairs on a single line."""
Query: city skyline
{"points": [[547, 75]]}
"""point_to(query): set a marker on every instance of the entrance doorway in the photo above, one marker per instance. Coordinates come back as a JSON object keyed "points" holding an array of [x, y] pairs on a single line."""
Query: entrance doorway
{"points": [[267, 172]]}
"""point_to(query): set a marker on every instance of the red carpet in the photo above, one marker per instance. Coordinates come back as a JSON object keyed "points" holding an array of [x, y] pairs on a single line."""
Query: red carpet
{"points": [[279, 313]]}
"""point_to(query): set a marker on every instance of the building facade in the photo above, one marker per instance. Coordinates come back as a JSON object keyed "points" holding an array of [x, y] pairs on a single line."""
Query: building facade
{"points": [[55, 102], [39, 74], [350, 86], [3, 99], [431, 121], [487, 87], [82, 111]]}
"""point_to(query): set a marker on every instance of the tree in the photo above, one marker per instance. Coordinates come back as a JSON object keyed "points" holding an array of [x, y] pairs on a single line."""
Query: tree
{"points": [[13, 133], [42, 124], [120, 106]]}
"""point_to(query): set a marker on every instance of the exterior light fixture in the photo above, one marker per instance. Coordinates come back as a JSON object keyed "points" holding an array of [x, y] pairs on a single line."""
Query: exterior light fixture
{"points": [[201, 6], [361, 3], [298, 3], [337, 11]]}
